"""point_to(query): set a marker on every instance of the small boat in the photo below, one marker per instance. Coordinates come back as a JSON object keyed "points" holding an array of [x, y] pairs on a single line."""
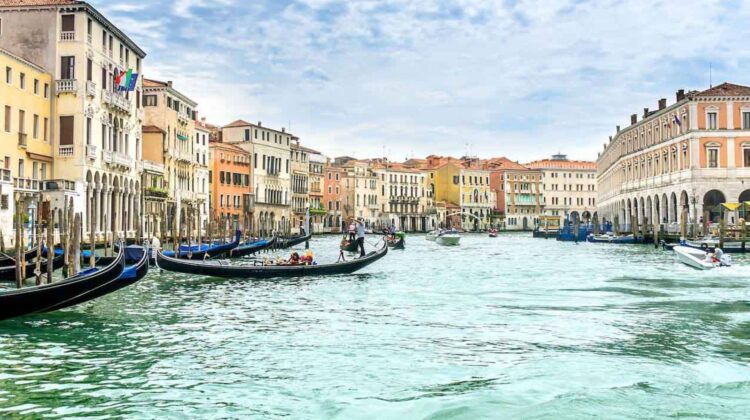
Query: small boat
{"points": [[448, 238], [700, 259], [284, 243], [47, 297], [431, 236], [347, 245], [252, 247], [8, 259], [204, 251], [610, 238], [493, 233], [8, 273], [397, 240], [221, 268]]}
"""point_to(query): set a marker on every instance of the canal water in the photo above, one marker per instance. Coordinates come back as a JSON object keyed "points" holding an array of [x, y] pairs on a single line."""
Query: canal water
{"points": [[511, 327]]}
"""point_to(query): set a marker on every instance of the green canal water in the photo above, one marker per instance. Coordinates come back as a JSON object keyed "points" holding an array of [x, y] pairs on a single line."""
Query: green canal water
{"points": [[511, 327]]}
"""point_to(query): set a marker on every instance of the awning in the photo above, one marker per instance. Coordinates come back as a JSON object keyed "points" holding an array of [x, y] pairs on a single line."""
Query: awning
{"points": [[731, 206], [181, 137]]}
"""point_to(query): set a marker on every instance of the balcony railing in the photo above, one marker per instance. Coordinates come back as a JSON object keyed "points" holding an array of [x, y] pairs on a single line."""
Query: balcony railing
{"points": [[91, 151], [117, 159], [67, 36], [66, 86], [153, 167], [116, 101], [90, 88], [58, 185], [5, 175], [65, 150], [22, 140], [27, 184], [183, 118], [156, 192]]}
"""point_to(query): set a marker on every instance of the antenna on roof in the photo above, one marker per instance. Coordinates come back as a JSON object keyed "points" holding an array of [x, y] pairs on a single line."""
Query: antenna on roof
{"points": [[710, 75]]}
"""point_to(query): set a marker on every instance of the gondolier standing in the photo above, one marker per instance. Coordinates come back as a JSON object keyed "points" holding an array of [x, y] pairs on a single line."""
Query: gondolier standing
{"points": [[360, 226]]}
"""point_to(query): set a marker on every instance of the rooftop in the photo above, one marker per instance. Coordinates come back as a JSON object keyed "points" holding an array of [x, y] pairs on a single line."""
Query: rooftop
{"points": [[726, 89], [562, 164]]}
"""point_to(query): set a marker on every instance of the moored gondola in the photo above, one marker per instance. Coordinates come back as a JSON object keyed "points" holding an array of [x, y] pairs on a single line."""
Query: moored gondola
{"points": [[209, 251], [8, 273], [251, 248], [60, 294], [8, 259], [218, 268], [283, 243]]}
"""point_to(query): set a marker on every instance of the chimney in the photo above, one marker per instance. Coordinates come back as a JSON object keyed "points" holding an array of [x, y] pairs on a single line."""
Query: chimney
{"points": [[169, 83], [633, 119], [617, 128], [283, 130], [259, 124], [662, 103], [680, 95], [645, 112], [610, 139]]}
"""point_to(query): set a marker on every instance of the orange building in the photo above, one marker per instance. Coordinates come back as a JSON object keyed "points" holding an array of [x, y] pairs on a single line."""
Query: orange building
{"points": [[335, 197], [231, 191], [498, 167]]}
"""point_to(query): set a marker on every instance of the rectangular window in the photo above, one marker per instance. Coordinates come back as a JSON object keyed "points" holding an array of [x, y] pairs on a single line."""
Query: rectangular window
{"points": [[713, 158], [44, 127], [35, 128], [22, 80], [46, 90], [149, 100], [7, 119], [68, 23], [746, 157], [21, 121], [89, 28], [66, 130], [88, 130], [711, 119], [746, 120], [67, 67], [89, 70], [36, 86], [8, 75], [247, 134]]}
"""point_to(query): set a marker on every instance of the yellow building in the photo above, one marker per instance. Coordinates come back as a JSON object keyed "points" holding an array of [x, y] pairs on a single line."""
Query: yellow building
{"points": [[25, 109], [466, 186]]}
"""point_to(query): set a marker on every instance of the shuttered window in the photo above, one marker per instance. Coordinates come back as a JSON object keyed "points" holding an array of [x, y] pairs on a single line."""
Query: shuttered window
{"points": [[66, 130]]}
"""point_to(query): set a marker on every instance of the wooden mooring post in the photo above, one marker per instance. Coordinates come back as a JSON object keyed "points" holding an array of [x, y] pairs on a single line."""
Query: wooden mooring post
{"points": [[39, 242], [50, 241], [18, 241]]}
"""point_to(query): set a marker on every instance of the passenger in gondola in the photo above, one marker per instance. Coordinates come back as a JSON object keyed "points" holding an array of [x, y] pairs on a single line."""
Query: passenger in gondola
{"points": [[352, 231], [293, 259]]}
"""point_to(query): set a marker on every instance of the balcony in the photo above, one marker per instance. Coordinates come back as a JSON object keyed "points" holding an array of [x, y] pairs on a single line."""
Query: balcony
{"points": [[117, 159], [91, 152], [90, 88], [430, 210], [183, 118], [66, 86], [58, 185], [65, 150], [5, 175], [153, 192], [67, 36], [116, 101], [182, 155], [22, 140], [26, 184]]}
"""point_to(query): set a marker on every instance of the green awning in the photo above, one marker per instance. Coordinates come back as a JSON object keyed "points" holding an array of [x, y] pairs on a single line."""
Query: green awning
{"points": [[181, 137]]}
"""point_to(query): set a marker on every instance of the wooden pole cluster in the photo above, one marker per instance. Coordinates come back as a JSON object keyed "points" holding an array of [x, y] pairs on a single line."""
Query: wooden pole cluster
{"points": [[38, 266], [50, 241], [20, 268]]}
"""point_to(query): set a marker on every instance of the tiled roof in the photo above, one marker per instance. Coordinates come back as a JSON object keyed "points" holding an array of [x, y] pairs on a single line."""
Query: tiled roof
{"points": [[561, 164], [237, 123], [17, 3], [229, 146], [151, 82], [726, 89], [502, 163], [152, 129]]}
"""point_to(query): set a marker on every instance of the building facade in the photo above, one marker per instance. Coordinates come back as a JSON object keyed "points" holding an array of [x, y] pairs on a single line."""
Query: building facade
{"points": [[685, 158], [317, 209], [271, 173], [465, 188], [231, 186], [155, 191], [569, 188], [300, 182], [362, 185], [335, 198], [524, 199], [403, 198], [95, 131], [202, 162], [25, 106]]}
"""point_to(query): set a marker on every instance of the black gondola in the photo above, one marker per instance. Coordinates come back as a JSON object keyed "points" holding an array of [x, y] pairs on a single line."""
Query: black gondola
{"points": [[7, 260], [217, 268], [251, 248], [47, 297], [283, 243], [208, 251], [131, 274], [8, 273]]}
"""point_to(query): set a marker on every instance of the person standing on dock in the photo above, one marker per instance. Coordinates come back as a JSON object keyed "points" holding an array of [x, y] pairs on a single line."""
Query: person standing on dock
{"points": [[360, 227]]}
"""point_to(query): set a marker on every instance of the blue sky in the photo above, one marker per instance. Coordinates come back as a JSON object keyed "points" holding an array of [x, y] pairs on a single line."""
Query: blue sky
{"points": [[523, 79]]}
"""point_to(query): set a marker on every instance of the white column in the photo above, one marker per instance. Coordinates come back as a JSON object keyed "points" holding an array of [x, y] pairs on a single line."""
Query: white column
{"points": [[730, 115], [730, 153]]}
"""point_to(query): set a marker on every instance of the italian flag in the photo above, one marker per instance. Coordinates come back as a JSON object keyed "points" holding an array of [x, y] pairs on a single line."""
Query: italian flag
{"points": [[122, 80]]}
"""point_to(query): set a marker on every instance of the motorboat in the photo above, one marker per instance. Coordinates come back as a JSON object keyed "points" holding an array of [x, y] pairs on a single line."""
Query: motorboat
{"points": [[700, 259], [431, 236], [610, 238], [448, 238], [493, 233]]}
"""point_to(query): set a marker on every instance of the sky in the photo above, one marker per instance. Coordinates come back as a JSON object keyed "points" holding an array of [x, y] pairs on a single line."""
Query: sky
{"points": [[401, 79]]}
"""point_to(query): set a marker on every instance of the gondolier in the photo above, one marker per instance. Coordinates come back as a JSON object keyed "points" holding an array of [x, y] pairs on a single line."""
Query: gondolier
{"points": [[360, 228]]}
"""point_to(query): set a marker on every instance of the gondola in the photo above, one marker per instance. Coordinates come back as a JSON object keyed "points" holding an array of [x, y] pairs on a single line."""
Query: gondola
{"points": [[218, 268], [284, 243], [47, 297], [136, 256], [251, 248], [8, 273], [347, 245], [7, 260], [397, 243], [210, 251]]}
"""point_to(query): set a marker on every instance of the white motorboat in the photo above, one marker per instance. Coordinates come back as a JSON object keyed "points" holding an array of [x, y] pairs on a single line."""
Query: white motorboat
{"points": [[448, 238], [431, 236], [700, 259]]}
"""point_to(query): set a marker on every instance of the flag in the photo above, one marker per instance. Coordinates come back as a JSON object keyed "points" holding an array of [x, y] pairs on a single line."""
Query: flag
{"points": [[677, 120], [125, 81]]}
